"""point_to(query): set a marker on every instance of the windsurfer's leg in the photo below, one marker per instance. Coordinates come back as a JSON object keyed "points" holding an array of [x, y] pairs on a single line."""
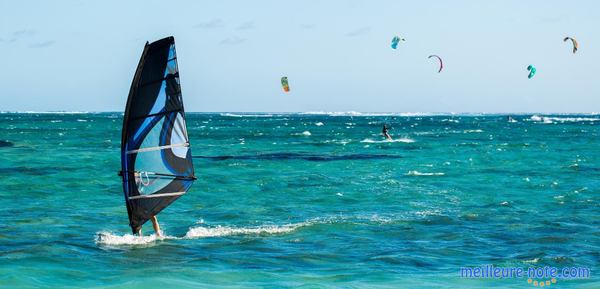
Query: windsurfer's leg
{"points": [[156, 226]]}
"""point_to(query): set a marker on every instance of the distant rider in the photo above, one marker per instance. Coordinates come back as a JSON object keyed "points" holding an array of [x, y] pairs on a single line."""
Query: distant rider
{"points": [[385, 133]]}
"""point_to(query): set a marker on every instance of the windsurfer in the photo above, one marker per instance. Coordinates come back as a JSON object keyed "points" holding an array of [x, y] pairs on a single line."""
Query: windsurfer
{"points": [[385, 133], [155, 171]]}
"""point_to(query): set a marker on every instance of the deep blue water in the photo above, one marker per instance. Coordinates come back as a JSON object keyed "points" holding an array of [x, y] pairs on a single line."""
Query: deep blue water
{"points": [[311, 201]]}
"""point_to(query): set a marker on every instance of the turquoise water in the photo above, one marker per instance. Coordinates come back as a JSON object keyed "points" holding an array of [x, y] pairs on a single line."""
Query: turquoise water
{"points": [[312, 201]]}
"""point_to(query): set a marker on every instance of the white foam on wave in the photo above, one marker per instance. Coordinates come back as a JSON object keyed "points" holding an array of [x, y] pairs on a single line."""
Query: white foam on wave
{"points": [[451, 120], [49, 112], [536, 118], [223, 231], [571, 119], [356, 113], [532, 261], [319, 124], [333, 113], [440, 132], [304, 133], [338, 141], [428, 213], [553, 119], [403, 140], [110, 239], [245, 115], [417, 173]]}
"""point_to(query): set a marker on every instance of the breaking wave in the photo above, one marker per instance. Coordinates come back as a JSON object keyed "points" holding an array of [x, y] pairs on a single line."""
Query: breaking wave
{"points": [[356, 113], [417, 173], [442, 132], [404, 140], [552, 119], [222, 231], [110, 239], [245, 115], [472, 130]]}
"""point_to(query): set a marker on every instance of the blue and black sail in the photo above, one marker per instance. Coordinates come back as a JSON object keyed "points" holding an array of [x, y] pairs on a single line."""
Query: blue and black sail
{"points": [[156, 159]]}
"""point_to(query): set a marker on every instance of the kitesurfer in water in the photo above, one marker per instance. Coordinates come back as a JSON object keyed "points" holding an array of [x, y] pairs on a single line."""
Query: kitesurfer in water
{"points": [[385, 133]]}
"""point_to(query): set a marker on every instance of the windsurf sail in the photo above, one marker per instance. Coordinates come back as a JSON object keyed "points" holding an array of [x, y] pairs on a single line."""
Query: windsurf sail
{"points": [[156, 159]]}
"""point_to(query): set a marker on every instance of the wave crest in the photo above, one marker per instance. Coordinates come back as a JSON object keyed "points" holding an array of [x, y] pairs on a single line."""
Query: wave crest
{"points": [[552, 119], [357, 113], [417, 173], [221, 231], [245, 115], [110, 239]]}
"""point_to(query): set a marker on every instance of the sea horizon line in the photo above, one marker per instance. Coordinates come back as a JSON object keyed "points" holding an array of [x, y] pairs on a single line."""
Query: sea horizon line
{"points": [[328, 113]]}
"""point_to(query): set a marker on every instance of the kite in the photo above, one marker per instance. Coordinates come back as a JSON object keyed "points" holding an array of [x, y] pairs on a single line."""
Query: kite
{"points": [[531, 71], [284, 84], [441, 63], [575, 44], [395, 41]]}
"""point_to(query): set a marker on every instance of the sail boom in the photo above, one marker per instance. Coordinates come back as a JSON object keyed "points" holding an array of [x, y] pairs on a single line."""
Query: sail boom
{"points": [[160, 175], [149, 149], [157, 195]]}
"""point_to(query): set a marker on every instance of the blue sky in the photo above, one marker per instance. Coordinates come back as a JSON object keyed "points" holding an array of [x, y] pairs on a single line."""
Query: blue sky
{"points": [[81, 55]]}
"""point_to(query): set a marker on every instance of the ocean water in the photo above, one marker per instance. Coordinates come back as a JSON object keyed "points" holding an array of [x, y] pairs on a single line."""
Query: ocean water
{"points": [[306, 201]]}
